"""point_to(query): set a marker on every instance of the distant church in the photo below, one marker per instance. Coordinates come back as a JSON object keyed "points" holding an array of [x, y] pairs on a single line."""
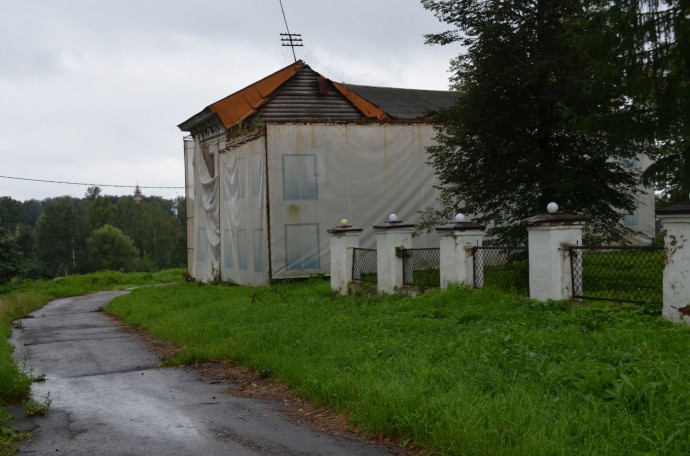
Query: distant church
{"points": [[137, 194]]}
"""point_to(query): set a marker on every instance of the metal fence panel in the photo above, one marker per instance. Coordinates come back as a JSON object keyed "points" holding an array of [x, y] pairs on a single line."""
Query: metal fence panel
{"points": [[621, 273], [502, 267], [422, 267], [364, 265]]}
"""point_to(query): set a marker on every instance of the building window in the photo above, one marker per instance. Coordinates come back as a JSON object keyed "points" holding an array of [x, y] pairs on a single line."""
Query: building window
{"points": [[241, 178], [299, 177], [227, 249], [242, 249], [302, 246], [629, 164], [201, 245], [258, 250], [632, 219], [257, 174]]}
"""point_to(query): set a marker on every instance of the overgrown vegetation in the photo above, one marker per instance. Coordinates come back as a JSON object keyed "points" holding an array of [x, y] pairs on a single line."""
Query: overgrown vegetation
{"points": [[459, 372], [20, 299]]}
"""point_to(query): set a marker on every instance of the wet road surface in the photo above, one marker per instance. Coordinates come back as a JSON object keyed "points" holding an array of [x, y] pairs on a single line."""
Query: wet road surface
{"points": [[109, 397]]}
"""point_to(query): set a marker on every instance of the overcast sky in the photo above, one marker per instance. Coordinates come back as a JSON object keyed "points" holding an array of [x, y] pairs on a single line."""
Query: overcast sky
{"points": [[92, 91]]}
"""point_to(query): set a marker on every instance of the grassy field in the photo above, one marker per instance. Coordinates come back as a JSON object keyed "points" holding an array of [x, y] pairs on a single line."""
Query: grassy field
{"points": [[17, 300], [458, 372]]}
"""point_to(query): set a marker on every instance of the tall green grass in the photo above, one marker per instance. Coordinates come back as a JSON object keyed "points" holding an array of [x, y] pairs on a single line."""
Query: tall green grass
{"points": [[460, 372], [19, 299]]}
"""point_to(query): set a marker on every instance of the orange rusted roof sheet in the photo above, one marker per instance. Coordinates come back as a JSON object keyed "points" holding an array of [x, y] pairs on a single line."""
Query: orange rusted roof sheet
{"points": [[368, 109], [236, 107]]}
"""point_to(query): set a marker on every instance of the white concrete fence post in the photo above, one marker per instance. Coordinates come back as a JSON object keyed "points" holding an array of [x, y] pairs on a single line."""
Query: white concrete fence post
{"points": [[457, 239], [391, 237], [549, 235], [676, 279], [344, 239]]}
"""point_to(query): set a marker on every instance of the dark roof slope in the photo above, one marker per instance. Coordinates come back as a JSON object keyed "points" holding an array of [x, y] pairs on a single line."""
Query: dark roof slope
{"points": [[405, 103]]}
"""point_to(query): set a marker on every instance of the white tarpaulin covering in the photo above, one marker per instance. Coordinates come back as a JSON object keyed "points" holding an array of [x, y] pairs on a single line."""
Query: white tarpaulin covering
{"points": [[320, 174], [189, 195], [206, 221], [265, 211], [244, 242], [642, 220], [248, 229]]}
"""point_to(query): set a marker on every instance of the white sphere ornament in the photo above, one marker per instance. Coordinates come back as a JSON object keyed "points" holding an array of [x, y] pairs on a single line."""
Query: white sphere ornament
{"points": [[344, 222], [459, 217], [393, 218], [552, 208]]}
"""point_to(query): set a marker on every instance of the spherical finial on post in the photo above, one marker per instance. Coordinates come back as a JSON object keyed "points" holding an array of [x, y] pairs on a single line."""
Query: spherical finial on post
{"points": [[344, 222], [459, 217], [552, 208], [393, 218]]}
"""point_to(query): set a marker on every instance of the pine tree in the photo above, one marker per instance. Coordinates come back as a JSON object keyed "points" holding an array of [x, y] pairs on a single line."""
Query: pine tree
{"points": [[664, 57], [545, 114]]}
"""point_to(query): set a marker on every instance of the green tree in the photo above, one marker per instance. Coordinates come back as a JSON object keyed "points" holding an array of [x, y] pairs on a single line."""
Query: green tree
{"points": [[100, 210], [109, 249], [663, 53], [152, 227], [11, 213], [61, 236], [543, 115], [11, 261], [33, 209]]}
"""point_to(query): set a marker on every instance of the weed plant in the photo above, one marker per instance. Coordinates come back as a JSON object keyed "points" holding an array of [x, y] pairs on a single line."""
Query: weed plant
{"points": [[459, 372]]}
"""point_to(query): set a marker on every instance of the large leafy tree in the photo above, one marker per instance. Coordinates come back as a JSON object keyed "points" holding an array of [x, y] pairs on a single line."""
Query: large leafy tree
{"points": [[61, 236], [11, 213], [544, 114], [99, 208], [11, 261], [152, 227], [109, 249]]}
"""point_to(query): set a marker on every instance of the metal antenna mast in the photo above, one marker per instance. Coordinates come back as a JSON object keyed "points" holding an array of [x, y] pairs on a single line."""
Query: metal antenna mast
{"points": [[290, 39]]}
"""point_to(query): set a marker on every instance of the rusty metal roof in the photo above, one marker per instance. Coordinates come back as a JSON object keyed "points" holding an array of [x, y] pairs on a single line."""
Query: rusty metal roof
{"points": [[375, 103]]}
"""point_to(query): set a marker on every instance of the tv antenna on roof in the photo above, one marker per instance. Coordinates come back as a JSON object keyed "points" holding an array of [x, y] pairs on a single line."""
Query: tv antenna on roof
{"points": [[292, 40]]}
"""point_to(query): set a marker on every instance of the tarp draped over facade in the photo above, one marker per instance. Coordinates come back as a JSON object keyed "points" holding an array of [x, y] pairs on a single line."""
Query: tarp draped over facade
{"points": [[206, 219], [317, 175], [244, 242], [322, 173]]}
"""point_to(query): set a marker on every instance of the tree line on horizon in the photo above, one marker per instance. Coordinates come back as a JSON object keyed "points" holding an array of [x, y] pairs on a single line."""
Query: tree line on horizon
{"points": [[67, 235]]}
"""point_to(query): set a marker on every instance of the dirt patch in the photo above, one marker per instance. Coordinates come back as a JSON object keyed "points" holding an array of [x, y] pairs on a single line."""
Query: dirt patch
{"points": [[243, 382]]}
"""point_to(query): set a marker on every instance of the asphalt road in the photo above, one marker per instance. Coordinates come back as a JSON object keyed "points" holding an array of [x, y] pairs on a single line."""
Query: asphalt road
{"points": [[110, 397]]}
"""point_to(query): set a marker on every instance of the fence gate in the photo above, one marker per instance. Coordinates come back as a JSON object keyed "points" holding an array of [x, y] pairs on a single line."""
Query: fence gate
{"points": [[364, 265], [502, 267], [618, 273], [421, 267]]}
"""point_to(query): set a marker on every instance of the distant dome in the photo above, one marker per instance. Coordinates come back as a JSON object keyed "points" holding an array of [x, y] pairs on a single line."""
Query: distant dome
{"points": [[137, 194]]}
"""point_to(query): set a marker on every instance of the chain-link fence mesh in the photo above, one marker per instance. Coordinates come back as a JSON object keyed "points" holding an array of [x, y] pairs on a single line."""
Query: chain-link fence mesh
{"points": [[624, 273], [364, 265], [503, 268], [421, 267]]}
